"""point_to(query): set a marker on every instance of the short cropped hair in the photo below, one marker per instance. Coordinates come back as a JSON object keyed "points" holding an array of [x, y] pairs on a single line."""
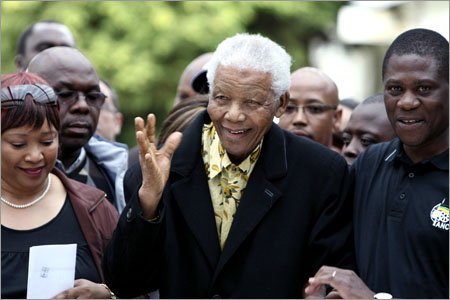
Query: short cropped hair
{"points": [[30, 113], [421, 42], [349, 102], [21, 42], [114, 97], [377, 98], [253, 52]]}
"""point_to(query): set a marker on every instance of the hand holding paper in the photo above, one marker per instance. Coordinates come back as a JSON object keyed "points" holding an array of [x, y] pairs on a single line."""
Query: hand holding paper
{"points": [[51, 270]]}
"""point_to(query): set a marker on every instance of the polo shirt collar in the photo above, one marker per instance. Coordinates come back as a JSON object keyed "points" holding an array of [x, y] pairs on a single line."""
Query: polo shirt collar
{"points": [[399, 155]]}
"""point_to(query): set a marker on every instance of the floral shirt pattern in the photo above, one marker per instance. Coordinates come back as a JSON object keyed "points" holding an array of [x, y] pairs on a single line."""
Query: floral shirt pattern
{"points": [[226, 181]]}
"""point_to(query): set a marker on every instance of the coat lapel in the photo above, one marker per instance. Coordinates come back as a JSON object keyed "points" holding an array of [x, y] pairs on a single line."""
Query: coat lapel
{"points": [[193, 198], [258, 199], [260, 194], [191, 191]]}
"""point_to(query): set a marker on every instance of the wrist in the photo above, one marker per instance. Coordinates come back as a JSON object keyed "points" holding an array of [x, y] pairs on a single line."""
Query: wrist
{"points": [[111, 294], [149, 205]]}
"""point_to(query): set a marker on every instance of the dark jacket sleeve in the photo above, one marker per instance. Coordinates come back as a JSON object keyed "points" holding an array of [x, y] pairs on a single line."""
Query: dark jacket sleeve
{"points": [[133, 257], [331, 240]]}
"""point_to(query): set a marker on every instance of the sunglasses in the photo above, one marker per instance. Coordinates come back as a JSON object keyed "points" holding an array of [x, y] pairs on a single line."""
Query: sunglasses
{"points": [[71, 97], [309, 109], [15, 94]]}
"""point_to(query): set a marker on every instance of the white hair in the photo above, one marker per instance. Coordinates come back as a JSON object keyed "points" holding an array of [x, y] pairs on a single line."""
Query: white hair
{"points": [[253, 52]]}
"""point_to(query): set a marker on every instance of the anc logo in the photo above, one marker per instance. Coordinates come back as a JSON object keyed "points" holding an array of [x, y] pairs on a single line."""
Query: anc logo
{"points": [[439, 215]]}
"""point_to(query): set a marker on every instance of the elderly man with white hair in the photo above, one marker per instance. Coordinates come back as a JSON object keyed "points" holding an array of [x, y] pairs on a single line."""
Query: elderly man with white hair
{"points": [[242, 208]]}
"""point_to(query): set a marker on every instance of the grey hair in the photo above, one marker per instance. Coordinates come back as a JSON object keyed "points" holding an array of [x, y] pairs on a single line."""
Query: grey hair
{"points": [[253, 52]]}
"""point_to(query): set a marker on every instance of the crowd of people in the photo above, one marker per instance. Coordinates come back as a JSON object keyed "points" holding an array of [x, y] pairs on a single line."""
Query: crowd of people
{"points": [[261, 184]]}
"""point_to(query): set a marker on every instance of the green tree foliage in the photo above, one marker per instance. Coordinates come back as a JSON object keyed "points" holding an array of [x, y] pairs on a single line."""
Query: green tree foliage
{"points": [[142, 48]]}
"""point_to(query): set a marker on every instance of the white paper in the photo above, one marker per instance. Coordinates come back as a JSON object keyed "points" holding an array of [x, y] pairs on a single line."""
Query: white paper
{"points": [[51, 270]]}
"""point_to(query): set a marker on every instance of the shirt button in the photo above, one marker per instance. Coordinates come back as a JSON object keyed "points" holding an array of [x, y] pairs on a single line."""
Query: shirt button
{"points": [[129, 213], [402, 196], [411, 175]]}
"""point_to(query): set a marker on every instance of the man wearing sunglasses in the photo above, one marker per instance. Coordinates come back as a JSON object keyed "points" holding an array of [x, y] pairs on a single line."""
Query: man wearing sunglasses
{"points": [[84, 157], [312, 109]]}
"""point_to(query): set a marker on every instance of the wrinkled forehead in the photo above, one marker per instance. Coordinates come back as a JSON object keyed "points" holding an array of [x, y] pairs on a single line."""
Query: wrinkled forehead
{"points": [[236, 76]]}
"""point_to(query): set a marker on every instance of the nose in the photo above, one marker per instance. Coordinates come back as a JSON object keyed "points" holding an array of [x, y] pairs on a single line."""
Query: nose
{"points": [[408, 101], [352, 150], [235, 113], [300, 117], [34, 155], [80, 104]]}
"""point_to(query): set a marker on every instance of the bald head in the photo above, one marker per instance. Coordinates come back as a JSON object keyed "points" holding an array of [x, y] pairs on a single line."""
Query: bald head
{"points": [[312, 79], [65, 59], [313, 89], [71, 74], [184, 89]]}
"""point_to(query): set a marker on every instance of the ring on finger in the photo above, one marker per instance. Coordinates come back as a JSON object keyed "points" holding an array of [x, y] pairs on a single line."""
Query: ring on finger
{"points": [[334, 274]]}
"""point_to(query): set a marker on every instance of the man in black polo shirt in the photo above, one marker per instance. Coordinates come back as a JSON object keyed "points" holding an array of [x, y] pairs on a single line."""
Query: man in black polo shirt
{"points": [[401, 209]]}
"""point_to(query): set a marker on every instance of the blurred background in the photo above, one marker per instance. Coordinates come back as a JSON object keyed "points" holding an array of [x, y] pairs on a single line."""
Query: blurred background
{"points": [[142, 48]]}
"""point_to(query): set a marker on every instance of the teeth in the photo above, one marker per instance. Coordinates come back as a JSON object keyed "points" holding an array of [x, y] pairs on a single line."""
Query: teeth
{"points": [[409, 121], [237, 131]]}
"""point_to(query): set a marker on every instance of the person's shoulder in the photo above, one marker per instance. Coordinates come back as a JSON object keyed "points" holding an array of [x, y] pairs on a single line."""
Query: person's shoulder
{"points": [[310, 152], [376, 158], [79, 190], [377, 153]]}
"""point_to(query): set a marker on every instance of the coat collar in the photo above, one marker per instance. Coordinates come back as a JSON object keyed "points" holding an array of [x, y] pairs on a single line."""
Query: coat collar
{"points": [[273, 154], [85, 199], [260, 195]]}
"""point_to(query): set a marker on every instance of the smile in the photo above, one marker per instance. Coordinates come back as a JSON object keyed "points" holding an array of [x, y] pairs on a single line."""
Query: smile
{"points": [[410, 121], [33, 171], [238, 131]]}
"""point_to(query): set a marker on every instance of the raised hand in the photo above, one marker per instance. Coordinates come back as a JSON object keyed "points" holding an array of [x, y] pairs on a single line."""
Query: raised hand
{"points": [[155, 164]]}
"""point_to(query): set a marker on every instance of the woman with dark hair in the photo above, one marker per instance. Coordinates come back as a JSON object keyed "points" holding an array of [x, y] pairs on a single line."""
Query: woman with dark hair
{"points": [[40, 205], [181, 116]]}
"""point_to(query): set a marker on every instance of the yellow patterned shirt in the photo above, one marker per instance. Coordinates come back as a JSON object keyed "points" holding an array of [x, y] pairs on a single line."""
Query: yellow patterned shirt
{"points": [[226, 181]]}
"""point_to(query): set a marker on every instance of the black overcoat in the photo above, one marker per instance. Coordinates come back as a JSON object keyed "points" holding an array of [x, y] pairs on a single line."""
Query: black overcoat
{"points": [[294, 216]]}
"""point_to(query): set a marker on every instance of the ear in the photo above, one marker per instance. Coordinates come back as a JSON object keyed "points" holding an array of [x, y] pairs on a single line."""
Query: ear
{"points": [[20, 63], [283, 102], [119, 122], [337, 118]]}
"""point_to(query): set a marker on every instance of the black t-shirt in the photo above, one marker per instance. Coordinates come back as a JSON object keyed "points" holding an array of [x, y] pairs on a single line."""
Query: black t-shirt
{"points": [[401, 222], [63, 229]]}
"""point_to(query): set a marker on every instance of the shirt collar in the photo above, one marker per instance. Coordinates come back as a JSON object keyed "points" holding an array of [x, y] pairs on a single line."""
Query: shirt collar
{"points": [[76, 163], [216, 155], [399, 155]]}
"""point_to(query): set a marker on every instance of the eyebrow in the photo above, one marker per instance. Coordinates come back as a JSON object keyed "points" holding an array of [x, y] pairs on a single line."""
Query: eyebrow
{"points": [[308, 101], [51, 132], [70, 85], [393, 81], [425, 81], [420, 81]]}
